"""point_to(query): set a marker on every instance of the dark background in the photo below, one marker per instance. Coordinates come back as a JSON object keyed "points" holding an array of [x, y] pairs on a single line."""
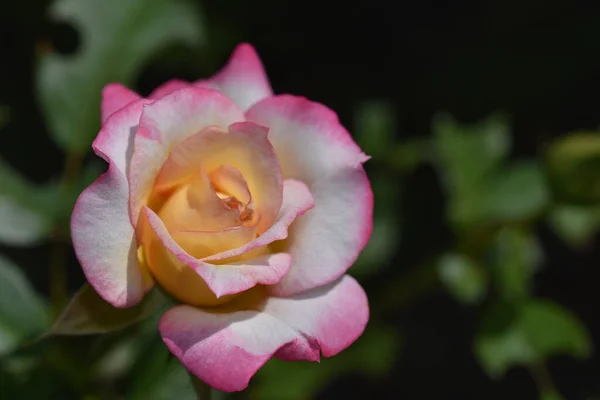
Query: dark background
{"points": [[538, 61]]}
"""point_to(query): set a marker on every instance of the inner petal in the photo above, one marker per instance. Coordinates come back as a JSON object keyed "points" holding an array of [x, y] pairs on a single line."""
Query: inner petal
{"points": [[205, 222], [241, 163]]}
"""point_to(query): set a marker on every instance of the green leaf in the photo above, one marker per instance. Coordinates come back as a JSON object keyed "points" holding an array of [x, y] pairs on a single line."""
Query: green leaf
{"points": [[514, 193], [22, 218], [22, 313], [372, 354], [573, 164], [158, 375], [575, 224], [386, 229], [550, 394], [375, 127], [88, 313], [528, 334], [466, 153], [117, 38], [464, 279], [515, 257]]}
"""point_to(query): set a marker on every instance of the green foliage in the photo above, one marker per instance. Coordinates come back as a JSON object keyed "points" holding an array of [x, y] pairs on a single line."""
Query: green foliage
{"points": [[117, 38], [23, 219], [467, 153], [22, 313], [463, 278], [575, 224], [375, 127], [88, 313], [573, 164], [527, 334], [514, 257]]}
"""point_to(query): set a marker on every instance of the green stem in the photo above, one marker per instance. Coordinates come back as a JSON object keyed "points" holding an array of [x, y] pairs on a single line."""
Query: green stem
{"points": [[543, 380]]}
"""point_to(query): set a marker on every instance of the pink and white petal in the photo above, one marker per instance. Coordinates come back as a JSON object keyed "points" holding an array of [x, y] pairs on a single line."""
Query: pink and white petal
{"points": [[114, 97], [325, 242], [168, 87], [308, 137], [243, 78], [164, 124], [225, 279], [114, 142], [297, 200], [223, 349], [314, 147], [105, 243], [331, 317]]}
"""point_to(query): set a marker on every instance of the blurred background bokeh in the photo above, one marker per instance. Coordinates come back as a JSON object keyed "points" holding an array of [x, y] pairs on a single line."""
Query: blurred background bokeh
{"points": [[482, 120]]}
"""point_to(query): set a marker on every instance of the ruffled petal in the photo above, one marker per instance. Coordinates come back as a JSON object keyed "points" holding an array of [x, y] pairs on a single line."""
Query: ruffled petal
{"points": [[168, 87], [114, 97], [313, 147], [243, 78], [225, 347], [102, 234]]}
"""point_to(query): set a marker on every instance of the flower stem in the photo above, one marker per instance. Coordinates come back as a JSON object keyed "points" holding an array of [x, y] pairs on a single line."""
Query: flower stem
{"points": [[543, 380]]}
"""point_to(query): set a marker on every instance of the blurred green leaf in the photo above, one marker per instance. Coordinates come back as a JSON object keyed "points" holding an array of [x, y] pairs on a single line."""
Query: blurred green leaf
{"points": [[467, 153], [512, 193], [386, 228], [464, 279], [88, 313], [22, 218], [573, 164], [22, 313], [528, 334], [4, 115], [116, 39], [515, 257], [157, 375], [375, 127], [575, 224], [372, 354], [550, 395]]}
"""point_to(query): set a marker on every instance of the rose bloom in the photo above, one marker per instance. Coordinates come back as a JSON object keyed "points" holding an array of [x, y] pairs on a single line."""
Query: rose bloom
{"points": [[245, 206]]}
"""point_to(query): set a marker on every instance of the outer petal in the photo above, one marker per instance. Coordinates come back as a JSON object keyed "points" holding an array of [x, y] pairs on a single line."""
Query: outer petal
{"points": [[312, 146], [243, 78], [226, 349], [226, 278], [164, 124], [331, 317], [103, 236], [114, 97], [168, 87]]}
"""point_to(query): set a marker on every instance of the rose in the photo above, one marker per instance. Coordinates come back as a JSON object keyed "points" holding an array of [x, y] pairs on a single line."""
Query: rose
{"points": [[246, 207]]}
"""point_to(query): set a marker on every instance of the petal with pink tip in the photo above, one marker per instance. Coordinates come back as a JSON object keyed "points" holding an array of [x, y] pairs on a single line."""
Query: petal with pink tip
{"points": [[226, 349], [114, 97], [243, 78], [313, 147], [168, 87], [102, 234], [164, 124]]}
